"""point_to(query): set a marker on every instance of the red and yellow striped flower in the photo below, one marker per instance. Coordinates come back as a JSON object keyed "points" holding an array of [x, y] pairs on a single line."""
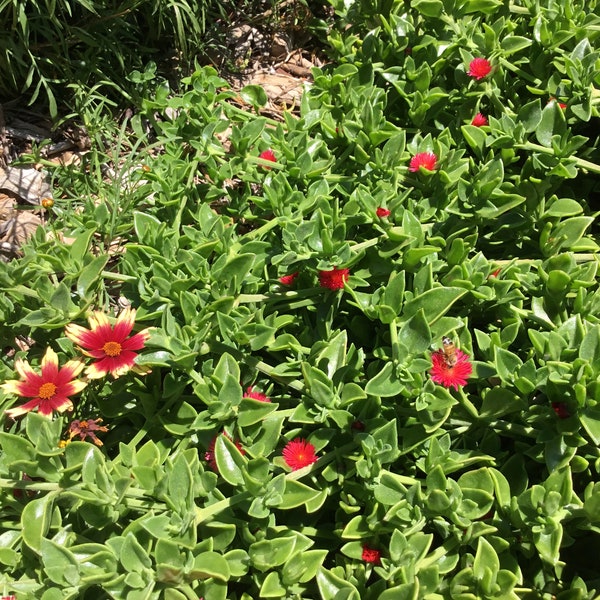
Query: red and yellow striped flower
{"points": [[50, 389], [111, 345]]}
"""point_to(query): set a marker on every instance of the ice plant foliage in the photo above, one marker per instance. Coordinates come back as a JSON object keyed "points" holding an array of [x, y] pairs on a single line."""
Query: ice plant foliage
{"points": [[426, 160], [250, 393], [450, 375], [371, 555], [50, 389], [111, 345], [479, 120], [334, 279], [479, 68], [209, 455], [299, 453], [383, 212]]}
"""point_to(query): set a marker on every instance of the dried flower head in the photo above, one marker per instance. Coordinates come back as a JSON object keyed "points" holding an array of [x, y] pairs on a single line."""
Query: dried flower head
{"points": [[299, 453], [450, 375], [50, 389], [479, 120], [86, 429], [111, 345], [479, 68], [561, 410], [334, 279], [426, 160], [47, 202]]}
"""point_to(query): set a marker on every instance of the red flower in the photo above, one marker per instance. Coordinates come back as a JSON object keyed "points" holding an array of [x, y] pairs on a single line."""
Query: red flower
{"points": [[288, 279], [255, 395], [50, 390], [495, 273], [299, 453], [334, 279], [209, 455], [85, 429], [479, 68], [450, 375], [427, 160], [111, 346], [561, 104], [479, 120], [357, 426], [383, 212], [561, 410], [267, 155], [11, 597], [371, 555]]}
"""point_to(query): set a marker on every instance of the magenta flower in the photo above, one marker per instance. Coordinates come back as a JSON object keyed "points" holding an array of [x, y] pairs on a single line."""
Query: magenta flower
{"points": [[479, 68], [427, 160], [250, 393], [334, 279], [288, 279], [299, 453], [267, 155], [479, 120], [450, 373]]}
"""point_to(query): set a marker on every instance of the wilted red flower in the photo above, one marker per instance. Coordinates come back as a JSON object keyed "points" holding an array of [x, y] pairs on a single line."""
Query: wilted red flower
{"points": [[267, 155], [561, 410], [371, 555], [427, 160], [50, 390], [495, 273], [383, 212], [209, 455], [250, 393], [288, 279], [334, 279], [560, 104], [450, 375], [479, 120], [299, 453], [479, 68], [111, 346], [357, 425], [87, 428]]}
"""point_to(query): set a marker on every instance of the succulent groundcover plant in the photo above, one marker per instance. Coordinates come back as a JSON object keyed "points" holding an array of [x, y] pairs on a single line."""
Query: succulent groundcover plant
{"points": [[352, 353]]}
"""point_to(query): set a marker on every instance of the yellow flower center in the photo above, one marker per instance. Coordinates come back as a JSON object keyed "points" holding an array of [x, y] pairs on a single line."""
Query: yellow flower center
{"points": [[112, 348], [47, 390]]}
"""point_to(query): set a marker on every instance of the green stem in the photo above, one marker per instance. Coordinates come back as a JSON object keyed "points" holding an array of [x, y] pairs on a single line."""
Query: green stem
{"points": [[118, 276], [394, 342], [467, 405], [522, 74], [203, 514]]}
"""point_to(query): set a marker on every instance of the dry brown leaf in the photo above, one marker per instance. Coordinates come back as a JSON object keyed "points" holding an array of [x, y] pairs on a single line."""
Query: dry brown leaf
{"points": [[28, 183]]}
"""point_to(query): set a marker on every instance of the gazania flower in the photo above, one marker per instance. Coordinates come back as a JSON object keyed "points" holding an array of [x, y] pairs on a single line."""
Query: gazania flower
{"points": [[450, 376], [479, 68], [209, 455], [250, 393], [267, 155], [86, 429], [288, 279], [112, 346], [383, 212], [299, 453], [479, 120], [334, 279], [427, 160], [49, 389], [561, 410], [371, 555]]}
